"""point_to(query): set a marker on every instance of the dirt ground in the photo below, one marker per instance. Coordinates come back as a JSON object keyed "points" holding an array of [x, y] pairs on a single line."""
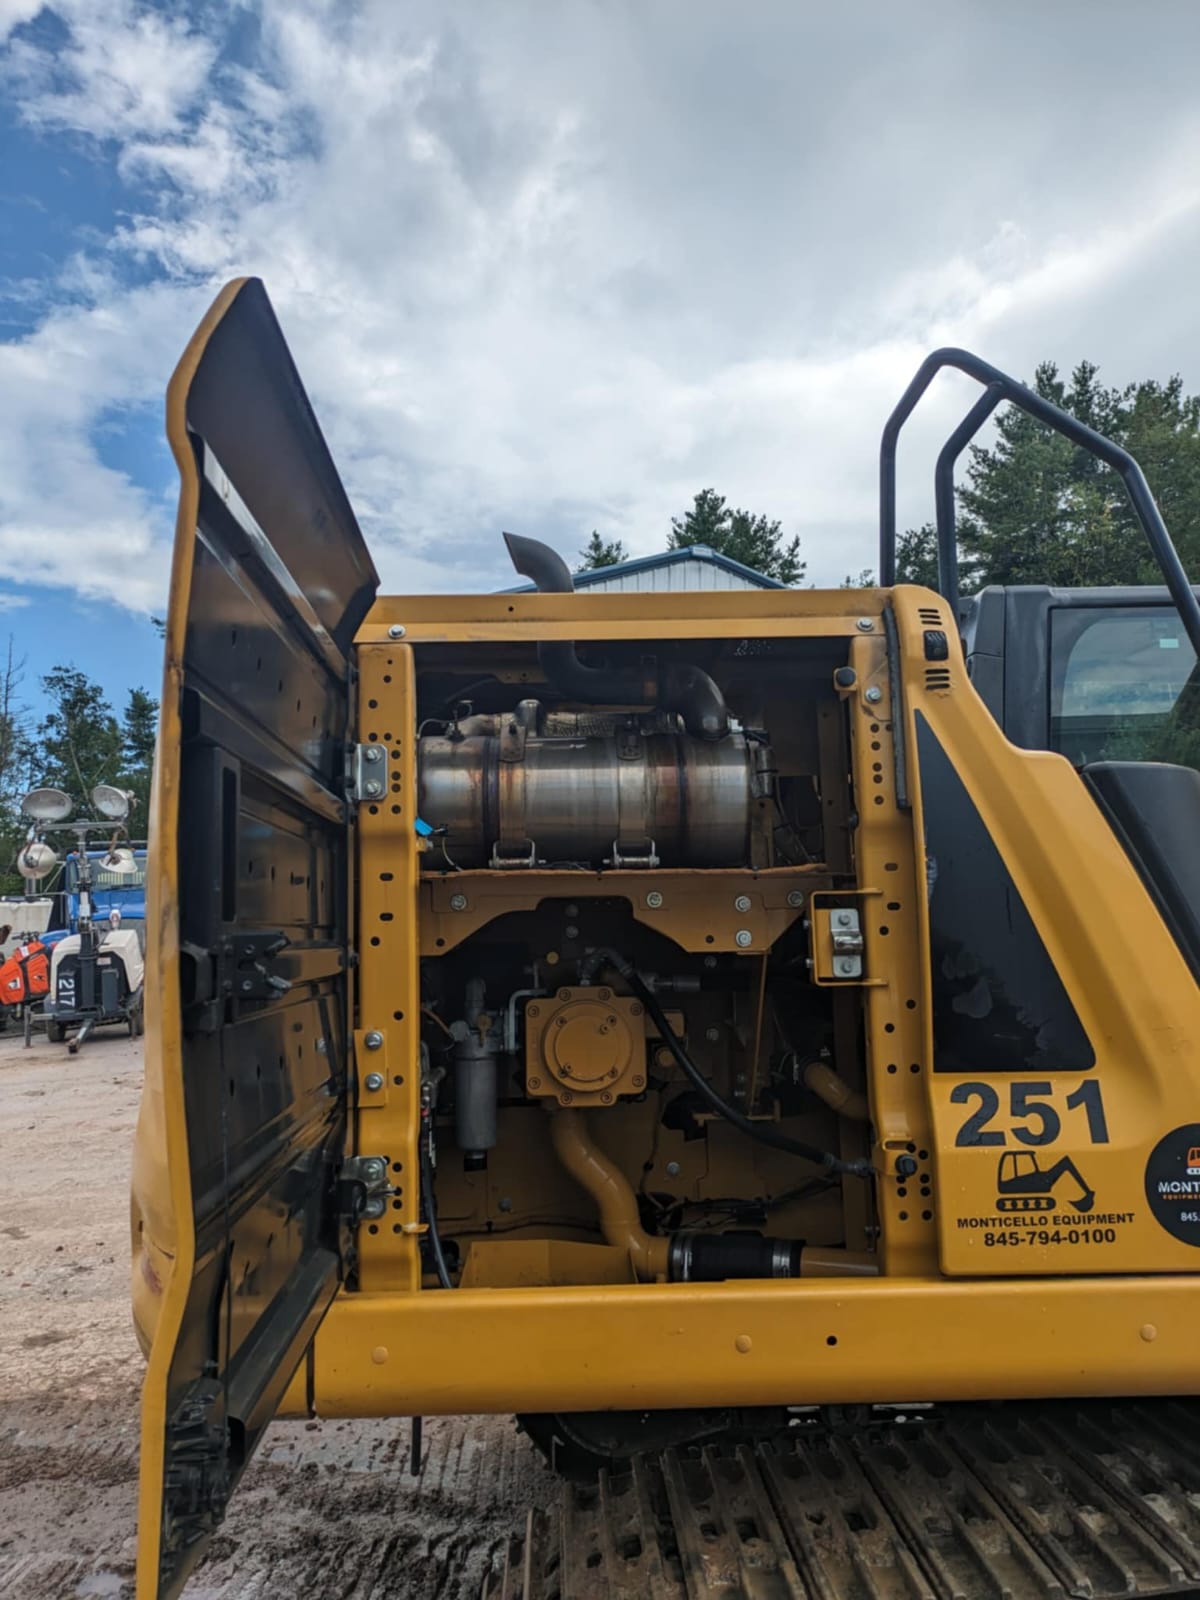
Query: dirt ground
{"points": [[326, 1509]]}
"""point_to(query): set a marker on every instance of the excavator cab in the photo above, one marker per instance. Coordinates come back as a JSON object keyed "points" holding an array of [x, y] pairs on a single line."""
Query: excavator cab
{"points": [[628, 1011]]}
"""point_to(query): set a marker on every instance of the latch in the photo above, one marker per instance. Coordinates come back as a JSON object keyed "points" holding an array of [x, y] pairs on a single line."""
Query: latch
{"points": [[366, 774], [363, 1188], [837, 944], [236, 970]]}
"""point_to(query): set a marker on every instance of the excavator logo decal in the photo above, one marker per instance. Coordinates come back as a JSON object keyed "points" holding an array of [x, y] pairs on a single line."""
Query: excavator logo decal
{"points": [[1023, 1184]]}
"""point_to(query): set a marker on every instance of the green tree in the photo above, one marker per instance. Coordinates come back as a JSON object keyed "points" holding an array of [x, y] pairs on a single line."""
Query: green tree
{"points": [[17, 758], [754, 540], [598, 552], [139, 730], [80, 740], [1038, 509], [916, 561]]}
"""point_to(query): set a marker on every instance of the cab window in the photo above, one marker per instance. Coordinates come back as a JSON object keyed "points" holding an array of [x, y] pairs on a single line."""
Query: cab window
{"points": [[1117, 681]]}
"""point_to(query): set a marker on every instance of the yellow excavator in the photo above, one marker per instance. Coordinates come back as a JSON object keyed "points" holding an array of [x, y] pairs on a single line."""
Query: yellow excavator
{"points": [[691, 1022]]}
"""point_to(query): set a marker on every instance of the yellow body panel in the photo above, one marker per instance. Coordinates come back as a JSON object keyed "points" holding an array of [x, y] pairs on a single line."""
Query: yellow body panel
{"points": [[1015, 1250]]}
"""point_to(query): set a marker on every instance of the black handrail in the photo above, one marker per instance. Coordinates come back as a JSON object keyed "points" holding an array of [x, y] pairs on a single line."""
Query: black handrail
{"points": [[1001, 387]]}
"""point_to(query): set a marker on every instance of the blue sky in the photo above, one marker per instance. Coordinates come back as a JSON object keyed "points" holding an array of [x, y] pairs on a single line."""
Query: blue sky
{"points": [[558, 267]]}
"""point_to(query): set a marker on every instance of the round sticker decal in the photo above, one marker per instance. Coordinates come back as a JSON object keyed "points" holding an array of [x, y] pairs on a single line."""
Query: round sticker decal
{"points": [[1173, 1182]]}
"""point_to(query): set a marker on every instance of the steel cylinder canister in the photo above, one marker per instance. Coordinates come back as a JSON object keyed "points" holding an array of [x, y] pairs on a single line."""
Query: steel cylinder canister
{"points": [[519, 796]]}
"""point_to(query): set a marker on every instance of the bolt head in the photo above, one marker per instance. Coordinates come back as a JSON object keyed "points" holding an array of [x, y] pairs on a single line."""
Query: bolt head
{"points": [[843, 919], [654, 900], [742, 903], [374, 752], [373, 1081], [373, 1040], [373, 788], [673, 1169], [322, 1047], [873, 695], [795, 899], [606, 1097], [247, 985], [743, 938], [865, 624], [458, 902], [505, 1203], [375, 1207], [396, 631], [844, 966], [373, 1169], [570, 931], [712, 1034]]}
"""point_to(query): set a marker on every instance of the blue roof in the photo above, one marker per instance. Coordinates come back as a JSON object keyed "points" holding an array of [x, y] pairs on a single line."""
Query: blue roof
{"points": [[664, 558]]}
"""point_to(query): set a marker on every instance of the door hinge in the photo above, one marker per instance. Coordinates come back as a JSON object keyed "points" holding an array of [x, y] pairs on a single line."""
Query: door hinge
{"points": [[366, 773], [233, 972], [363, 1188]]}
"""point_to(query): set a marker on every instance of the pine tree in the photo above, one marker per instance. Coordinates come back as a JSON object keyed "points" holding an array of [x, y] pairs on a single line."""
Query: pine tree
{"points": [[139, 730], [600, 552], [754, 540]]}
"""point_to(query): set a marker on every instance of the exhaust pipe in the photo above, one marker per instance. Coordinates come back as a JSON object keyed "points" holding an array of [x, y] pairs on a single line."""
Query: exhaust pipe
{"points": [[683, 689]]}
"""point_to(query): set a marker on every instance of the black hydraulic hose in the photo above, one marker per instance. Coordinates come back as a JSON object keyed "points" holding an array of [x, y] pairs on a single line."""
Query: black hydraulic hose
{"points": [[762, 1131], [435, 1238]]}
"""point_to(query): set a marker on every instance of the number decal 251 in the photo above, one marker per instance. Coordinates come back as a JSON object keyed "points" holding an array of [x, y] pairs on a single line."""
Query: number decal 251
{"points": [[1029, 1103]]}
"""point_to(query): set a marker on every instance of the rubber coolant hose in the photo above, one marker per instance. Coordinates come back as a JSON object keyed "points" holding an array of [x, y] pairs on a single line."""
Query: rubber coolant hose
{"points": [[761, 1131]]}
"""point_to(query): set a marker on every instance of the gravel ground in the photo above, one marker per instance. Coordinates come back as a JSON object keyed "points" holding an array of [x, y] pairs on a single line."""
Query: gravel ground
{"points": [[326, 1509]]}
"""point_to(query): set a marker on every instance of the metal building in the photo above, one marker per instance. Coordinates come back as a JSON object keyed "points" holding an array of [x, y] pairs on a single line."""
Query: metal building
{"points": [[696, 567]]}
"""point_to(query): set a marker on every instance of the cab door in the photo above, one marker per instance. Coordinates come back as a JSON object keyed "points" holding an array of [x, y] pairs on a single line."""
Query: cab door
{"points": [[239, 1238]]}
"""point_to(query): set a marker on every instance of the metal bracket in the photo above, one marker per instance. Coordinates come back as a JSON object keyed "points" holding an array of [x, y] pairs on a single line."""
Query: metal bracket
{"points": [[504, 862], [641, 859], [234, 971], [366, 773], [837, 944], [363, 1188]]}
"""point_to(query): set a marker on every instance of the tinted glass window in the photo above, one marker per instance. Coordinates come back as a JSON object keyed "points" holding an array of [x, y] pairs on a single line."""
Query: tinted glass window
{"points": [[1117, 680], [998, 1002]]}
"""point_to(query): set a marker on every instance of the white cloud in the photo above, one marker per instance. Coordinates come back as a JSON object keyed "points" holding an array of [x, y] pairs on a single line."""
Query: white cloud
{"points": [[557, 268], [12, 602]]}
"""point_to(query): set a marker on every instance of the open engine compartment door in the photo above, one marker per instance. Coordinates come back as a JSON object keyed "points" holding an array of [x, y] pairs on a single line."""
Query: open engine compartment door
{"points": [[247, 930]]}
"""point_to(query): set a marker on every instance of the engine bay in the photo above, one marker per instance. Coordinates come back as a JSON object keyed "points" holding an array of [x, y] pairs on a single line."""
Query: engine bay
{"points": [[632, 1068]]}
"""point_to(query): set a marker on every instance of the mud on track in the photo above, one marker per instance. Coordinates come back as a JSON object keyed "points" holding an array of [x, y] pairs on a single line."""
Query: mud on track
{"points": [[327, 1509]]}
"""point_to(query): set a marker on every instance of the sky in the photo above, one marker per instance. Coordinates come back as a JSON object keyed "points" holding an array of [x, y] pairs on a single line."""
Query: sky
{"points": [[553, 267]]}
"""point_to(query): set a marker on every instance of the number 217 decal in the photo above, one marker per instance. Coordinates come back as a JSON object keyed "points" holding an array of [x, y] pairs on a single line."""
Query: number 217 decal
{"points": [[1032, 1105]]}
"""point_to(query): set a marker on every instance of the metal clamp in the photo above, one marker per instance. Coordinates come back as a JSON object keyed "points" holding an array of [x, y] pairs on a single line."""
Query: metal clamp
{"points": [[363, 1188]]}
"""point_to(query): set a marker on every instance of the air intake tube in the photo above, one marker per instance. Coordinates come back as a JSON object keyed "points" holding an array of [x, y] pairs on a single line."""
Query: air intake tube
{"points": [[682, 688]]}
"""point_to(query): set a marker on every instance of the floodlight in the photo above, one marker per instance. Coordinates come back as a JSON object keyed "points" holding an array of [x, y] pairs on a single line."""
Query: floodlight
{"points": [[46, 805], [36, 859], [118, 860], [112, 803]]}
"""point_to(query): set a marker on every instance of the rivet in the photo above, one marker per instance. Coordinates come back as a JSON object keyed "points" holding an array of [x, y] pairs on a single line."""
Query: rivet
{"points": [[743, 1344], [458, 902], [373, 1040], [874, 694], [505, 1203], [654, 900], [795, 898], [396, 631], [673, 1169], [742, 938], [373, 1081], [742, 903], [1149, 1332], [380, 1354], [864, 624]]}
